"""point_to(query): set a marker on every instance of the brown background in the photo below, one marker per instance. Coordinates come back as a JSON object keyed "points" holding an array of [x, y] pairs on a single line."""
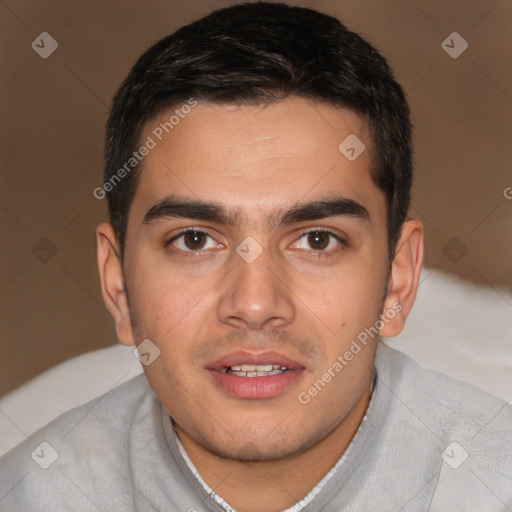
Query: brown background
{"points": [[54, 111]]}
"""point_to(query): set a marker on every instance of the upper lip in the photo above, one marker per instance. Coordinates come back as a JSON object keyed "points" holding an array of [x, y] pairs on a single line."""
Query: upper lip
{"points": [[245, 357]]}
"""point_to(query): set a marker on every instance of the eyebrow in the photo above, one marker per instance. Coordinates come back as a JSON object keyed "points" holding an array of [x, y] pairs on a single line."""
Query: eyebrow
{"points": [[175, 207]]}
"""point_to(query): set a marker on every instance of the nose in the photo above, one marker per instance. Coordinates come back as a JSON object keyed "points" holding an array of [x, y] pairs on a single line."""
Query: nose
{"points": [[255, 294]]}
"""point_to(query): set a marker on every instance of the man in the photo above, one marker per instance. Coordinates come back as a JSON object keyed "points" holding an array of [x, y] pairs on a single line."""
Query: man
{"points": [[258, 174]]}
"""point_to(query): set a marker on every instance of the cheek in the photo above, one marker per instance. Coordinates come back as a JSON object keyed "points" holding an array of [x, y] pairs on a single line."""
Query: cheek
{"points": [[342, 299], [173, 310], [164, 296]]}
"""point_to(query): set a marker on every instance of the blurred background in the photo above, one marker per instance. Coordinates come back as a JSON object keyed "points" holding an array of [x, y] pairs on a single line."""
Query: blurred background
{"points": [[62, 63]]}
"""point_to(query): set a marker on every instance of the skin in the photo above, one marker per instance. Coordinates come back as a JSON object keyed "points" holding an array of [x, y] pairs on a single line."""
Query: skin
{"points": [[304, 297]]}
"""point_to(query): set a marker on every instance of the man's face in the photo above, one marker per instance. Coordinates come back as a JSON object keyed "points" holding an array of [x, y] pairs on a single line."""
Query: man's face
{"points": [[255, 286]]}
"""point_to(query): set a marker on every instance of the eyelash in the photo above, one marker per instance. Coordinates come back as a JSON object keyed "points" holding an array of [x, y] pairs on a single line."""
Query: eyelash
{"points": [[315, 253]]}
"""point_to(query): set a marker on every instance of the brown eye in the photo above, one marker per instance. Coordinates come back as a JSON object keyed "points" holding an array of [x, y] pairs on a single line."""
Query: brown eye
{"points": [[194, 240], [318, 240]]}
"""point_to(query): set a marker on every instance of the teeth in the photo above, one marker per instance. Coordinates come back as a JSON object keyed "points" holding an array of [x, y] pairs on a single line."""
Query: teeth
{"points": [[255, 370], [256, 367]]}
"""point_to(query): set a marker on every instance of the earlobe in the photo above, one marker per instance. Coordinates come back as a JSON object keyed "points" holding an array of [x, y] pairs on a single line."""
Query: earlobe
{"points": [[403, 279], [112, 281]]}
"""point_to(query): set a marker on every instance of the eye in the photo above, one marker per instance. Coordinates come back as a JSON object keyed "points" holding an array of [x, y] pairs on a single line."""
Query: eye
{"points": [[191, 240], [318, 240]]}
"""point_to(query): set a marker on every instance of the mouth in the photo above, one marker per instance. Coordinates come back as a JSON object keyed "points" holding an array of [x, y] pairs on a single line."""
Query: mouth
{"points": [[255, 376]]}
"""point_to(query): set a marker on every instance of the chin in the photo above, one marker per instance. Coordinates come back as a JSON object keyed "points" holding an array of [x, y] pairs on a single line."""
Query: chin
{"points": [[255, 452], [251, 446]]}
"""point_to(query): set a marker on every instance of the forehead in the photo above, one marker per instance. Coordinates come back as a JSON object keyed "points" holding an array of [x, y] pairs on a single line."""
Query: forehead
{"points": [[255, 157]]}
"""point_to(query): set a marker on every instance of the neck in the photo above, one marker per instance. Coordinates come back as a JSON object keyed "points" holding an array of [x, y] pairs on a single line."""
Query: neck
{"points": [[274, 485]]}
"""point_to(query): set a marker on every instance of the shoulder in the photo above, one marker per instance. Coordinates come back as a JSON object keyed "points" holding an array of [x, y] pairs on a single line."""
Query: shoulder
{"points": [[468, 432], [83, 444]]}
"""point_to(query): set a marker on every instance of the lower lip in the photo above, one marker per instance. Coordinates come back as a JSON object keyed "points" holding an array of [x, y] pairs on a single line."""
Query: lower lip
{"points": [[256, 388]]}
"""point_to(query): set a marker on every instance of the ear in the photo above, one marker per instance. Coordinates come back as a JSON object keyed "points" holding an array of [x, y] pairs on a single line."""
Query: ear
{"points": [[403, 278], [112, 281]]}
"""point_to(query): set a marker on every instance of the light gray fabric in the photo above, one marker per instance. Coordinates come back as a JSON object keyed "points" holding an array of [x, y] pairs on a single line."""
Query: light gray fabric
{"points": [[113, 454]]}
